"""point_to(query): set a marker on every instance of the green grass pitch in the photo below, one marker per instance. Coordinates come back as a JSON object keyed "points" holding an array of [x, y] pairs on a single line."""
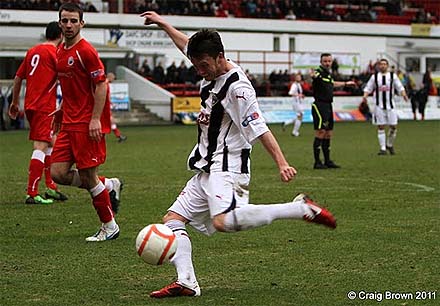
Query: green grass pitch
{"points": [[387, 238]]}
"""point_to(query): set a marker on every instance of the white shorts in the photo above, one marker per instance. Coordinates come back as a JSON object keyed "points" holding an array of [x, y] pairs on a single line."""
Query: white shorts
{"points": [[297, 108], [209, 194], [384, 116]]}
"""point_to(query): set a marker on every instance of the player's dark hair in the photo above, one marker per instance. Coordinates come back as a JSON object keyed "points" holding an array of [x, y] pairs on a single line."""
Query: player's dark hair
{"points": [[205, 42], [53, 30], [384, 60], [325, 55], [71, 7]]}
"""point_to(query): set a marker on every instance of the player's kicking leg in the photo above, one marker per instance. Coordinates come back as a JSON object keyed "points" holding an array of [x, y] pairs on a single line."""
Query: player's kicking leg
{"points": [[252, 216]]}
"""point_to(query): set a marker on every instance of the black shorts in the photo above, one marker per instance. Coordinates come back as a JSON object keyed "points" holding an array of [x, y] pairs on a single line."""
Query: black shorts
{"points": [[322, 116]]}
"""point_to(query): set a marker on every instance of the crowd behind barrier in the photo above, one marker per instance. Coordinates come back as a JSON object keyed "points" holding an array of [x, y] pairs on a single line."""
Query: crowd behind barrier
{"points": [[183, 81], [379, 11]]}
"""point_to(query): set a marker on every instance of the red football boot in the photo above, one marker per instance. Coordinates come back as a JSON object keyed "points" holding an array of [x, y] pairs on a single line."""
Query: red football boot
{"points": [[175, 289], [318, 214]]}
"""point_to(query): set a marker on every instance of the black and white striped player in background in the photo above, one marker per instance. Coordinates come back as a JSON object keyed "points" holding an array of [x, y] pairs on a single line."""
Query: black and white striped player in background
{"points": [[216, 198], [383, 85]]}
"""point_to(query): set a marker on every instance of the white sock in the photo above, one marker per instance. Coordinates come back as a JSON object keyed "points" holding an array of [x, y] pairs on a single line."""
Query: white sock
{"points": [[49, 151], [39, 155], [108, 184], [95, 191], [382, 139], [251, 216], [296, 126], [111, 224], [182, 260], [392, 133]]}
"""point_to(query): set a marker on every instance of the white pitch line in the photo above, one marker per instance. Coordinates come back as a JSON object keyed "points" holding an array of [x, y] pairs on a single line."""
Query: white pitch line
{"points": [[419, 186]]}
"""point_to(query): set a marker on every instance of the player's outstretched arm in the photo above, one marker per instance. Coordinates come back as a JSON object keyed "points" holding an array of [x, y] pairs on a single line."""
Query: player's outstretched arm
{"points": [[179, 38], [269, 142]]}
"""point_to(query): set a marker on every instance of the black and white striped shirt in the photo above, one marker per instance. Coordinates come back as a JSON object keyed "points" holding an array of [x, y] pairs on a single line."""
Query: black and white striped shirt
{"points": [[229, 122], [383, 85]]}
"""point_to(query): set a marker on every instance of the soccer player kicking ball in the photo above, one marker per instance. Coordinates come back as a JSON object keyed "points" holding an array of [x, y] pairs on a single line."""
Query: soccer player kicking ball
{"points": [[85, 119], [216, 198], [39, 70]]}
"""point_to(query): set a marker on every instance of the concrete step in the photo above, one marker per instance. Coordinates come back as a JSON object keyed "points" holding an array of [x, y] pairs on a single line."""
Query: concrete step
{"points": [[138, 115]]}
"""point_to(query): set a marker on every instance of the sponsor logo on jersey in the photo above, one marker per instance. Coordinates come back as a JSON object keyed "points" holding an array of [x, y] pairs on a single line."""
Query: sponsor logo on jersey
{"points": [[250, 118], [70, 61], [97, 73], [384, 88], [203, 118]]}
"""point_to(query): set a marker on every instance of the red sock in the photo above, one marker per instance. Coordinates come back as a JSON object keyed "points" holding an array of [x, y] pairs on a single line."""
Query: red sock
{"points": [[117, 132], [101, 202], [49, 182], [36, 168]]}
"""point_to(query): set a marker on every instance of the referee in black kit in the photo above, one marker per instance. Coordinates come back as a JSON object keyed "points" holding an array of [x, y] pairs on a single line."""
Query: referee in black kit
{"points": [[322, 111]]}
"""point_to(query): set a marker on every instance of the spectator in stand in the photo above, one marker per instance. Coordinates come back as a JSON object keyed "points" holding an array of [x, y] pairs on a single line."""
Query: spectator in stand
{"points": [[193, 77], [171, 76], [371, 67], [182, 73], [90, 7], [251, 78], [145, 69], [159, 74], [251, 8], [306, 83], [335, 69], [221, 12]]}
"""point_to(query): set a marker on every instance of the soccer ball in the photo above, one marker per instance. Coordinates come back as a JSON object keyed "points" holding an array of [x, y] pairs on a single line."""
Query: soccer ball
{"points": [[156, 244]]}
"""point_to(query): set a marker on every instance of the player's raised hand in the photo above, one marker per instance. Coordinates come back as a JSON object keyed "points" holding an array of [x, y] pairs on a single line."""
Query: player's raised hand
{"points": [[287, 173], [13, 111], [151, 18]]}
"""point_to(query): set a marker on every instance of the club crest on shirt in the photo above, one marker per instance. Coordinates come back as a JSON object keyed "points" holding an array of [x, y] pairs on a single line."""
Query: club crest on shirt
{"points": [[214, 99], [70, 61], [250, 118]]}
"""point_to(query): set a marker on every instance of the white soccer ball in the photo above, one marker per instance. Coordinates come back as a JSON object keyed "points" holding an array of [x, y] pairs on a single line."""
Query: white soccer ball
{"points": [[156, 244]]}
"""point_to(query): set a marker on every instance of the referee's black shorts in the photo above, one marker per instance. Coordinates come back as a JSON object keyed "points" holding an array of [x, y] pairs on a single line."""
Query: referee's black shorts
{"points": [[322, 116]]}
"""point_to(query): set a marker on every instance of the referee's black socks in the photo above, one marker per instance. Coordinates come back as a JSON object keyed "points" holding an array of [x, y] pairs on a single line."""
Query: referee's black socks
{"points": [[326, 150], [317, 149]]}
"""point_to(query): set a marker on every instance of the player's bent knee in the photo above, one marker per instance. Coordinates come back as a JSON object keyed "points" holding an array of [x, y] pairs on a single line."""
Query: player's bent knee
{"points": [[170, 215], [56, 175]]}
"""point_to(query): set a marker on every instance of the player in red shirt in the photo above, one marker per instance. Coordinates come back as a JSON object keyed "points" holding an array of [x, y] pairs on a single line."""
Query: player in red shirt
{"points": [[85, 114], [39, 70]]}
